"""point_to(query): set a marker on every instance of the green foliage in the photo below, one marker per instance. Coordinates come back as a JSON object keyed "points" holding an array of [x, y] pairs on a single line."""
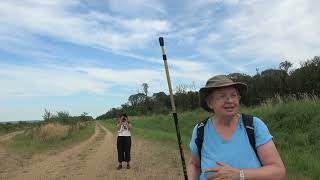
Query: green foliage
{"points": [[285, 65], [64, 117], [84, 117], [295, 126], [21, 125], [7, 127], [47, 115], [307, 78]]}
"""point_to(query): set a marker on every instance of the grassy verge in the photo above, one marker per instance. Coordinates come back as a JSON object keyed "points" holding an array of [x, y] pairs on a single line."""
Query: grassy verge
{"points": [[54, 137], [293, 123], [11, 127], [295, 127]]}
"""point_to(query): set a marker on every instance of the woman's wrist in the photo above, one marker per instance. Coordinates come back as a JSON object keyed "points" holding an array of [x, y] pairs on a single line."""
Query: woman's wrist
{"points": [[241, 174]]}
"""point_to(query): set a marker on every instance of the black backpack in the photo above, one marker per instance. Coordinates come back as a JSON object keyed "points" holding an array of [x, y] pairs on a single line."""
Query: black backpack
{"points": [[247, 121]]}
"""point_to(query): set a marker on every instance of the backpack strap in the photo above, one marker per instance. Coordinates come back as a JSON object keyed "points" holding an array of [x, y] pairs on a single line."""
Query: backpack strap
{"points": [[200, 135], [248, 123]]}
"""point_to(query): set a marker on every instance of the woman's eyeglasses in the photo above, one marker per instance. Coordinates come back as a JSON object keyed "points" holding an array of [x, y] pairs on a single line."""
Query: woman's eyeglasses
{"points": [[227, 98]]}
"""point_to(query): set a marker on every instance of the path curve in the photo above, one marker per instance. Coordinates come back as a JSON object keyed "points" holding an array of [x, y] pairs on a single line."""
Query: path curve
{"points": [[95, 158]]}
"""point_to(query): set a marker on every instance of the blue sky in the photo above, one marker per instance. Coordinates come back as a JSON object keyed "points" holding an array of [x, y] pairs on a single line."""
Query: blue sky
{"points": [[90, 55]]}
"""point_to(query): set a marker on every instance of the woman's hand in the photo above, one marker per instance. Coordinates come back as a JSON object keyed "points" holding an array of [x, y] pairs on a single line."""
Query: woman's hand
{"points": [[224, 171]]}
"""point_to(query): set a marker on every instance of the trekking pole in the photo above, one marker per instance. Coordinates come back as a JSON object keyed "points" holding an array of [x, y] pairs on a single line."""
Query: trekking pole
{"points": [[174, 113]]}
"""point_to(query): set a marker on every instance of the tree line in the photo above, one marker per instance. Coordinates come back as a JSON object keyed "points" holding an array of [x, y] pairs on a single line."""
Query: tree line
{"points": [[64, 117], [261, 86]]}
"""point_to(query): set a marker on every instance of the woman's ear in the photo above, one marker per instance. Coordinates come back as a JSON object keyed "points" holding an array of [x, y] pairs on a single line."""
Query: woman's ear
{"points": [[210, 103]]}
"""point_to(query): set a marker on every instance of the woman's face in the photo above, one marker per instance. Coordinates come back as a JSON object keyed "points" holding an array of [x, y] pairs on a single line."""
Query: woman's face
{"points": [[225, 101]]}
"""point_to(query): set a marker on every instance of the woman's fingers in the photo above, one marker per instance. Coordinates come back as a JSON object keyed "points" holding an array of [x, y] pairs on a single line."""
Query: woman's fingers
{"points": [[211, 170]]}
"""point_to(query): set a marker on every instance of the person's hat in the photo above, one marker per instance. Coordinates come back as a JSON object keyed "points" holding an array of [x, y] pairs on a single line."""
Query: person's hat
{"points": [[218, 82], [124, 115]]}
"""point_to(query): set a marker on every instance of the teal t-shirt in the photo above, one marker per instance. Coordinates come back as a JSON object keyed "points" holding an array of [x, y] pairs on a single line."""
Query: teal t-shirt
{"points": [[236, 151]]}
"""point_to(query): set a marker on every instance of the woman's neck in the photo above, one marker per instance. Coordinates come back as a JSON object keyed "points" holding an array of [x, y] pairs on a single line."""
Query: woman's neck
{"points": [[226, 120]]}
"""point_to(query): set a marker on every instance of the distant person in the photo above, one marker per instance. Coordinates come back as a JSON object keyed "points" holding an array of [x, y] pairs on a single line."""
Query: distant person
{"points": [[229, 145], [124, 140]]}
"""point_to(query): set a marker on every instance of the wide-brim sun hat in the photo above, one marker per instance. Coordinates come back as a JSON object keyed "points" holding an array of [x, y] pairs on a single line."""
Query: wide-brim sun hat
{"points": [[218, 82]]}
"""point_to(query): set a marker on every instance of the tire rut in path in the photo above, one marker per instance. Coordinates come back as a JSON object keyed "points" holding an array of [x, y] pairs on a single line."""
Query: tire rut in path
{"points": [[63, 165], [96, 159]]}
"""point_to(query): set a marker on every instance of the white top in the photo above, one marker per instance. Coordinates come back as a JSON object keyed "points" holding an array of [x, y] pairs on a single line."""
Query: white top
{"points": [[124, 129]]}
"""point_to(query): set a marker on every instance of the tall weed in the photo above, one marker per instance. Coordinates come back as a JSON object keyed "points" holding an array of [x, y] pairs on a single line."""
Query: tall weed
{"points": [[51, 136]]}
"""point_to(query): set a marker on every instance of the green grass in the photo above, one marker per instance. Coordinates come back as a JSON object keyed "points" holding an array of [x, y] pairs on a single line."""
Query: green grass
{"points": [[11, 127], [28, 144], [294, 124]]}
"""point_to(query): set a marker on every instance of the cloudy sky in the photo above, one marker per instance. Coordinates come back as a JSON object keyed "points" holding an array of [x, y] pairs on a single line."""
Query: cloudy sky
{"points": [[90, 55]]}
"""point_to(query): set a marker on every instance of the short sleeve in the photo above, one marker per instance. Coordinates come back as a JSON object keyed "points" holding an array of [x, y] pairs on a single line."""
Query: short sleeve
{"points": [[262, 133], [193, 147]]}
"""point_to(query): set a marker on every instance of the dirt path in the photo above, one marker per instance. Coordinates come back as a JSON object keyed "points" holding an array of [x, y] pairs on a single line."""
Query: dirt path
{"points": [[8, 162], [96, 159], [8, 136]]}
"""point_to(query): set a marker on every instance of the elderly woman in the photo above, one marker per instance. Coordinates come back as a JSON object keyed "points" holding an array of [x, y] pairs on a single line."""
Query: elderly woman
{"points": [[226, 152]]}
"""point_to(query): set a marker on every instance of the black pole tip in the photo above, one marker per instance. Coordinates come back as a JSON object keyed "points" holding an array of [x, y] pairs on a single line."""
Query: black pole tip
{"points": [[161, 41]]}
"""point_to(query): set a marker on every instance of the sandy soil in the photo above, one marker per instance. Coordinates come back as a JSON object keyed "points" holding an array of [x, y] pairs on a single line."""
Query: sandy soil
{"points": [[8, 136], [94, 158]]}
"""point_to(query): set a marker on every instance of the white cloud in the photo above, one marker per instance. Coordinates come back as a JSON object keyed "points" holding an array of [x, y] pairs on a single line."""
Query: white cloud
{"points": [[251, 31], [59, 20], [124, 77], [22, 80], [239, 33], [190, 70], [45, 81], [188, 65], [53, 80], [274, 30], [203, 3], [137, 7]]}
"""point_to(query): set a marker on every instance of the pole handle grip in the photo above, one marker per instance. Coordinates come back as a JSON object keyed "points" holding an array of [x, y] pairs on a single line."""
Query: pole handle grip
{"points": [[161, 41]]}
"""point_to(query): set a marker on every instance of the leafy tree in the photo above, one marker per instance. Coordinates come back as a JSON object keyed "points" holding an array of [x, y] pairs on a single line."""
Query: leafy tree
{"points": [[63, 116], [137, 99], [285, 65], [47, 115], [84, 117], [307, 78], [161, 99], [145, 87]]}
